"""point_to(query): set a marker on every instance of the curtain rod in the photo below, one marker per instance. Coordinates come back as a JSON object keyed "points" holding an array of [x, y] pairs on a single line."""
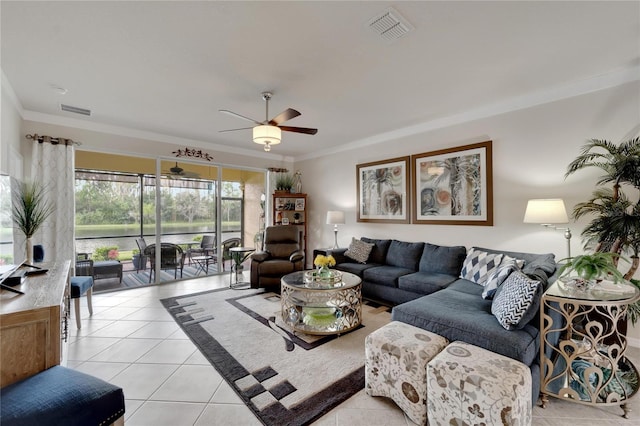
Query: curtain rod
{"points": [[52, 140]]}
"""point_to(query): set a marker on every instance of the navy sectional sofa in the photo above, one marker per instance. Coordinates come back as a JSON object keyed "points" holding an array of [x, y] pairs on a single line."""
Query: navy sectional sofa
{"points": [[422, 282]]}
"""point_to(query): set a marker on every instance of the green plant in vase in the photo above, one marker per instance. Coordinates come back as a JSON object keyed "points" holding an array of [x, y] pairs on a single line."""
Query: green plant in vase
{"points": [[30, 210], [284, 182], [591, 268]]}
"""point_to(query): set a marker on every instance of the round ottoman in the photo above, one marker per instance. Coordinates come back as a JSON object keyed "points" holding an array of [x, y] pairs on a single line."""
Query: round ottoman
{"points": [[396, 358], [471, 385]]}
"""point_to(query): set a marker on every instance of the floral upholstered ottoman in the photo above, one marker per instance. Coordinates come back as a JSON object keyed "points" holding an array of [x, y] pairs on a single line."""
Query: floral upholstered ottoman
{"points": [[396, 365], [470, 385]]}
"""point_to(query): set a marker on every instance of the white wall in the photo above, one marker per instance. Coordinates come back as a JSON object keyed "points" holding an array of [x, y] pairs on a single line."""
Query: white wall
{"points": [[10, 156], [531, 151]]}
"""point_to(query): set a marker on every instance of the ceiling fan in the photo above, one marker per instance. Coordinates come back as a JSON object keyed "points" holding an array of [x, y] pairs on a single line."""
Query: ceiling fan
{"points": [[177, 171], [269, 131]]}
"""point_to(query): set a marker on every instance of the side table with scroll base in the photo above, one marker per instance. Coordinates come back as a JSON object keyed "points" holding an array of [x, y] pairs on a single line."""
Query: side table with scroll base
{"points": [[582, 351]]}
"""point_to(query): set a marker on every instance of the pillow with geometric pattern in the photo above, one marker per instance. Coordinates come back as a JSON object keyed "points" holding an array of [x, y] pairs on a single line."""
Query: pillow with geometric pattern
{"points": [[478, 265], [517, 301], [359, 250], [506, 267]]}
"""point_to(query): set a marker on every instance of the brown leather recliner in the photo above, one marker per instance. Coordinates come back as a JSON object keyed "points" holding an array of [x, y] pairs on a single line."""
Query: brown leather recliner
{"points": [[283, 253]]}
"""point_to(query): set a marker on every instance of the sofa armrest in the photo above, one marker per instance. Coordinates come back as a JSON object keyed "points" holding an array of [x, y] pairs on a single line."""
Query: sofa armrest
{"points": [[260, 256], [296, 256], [338, 255]]}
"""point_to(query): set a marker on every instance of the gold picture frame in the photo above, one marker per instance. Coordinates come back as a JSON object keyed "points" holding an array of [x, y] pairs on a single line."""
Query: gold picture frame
{"points": [[384, 191], [453, 186]]}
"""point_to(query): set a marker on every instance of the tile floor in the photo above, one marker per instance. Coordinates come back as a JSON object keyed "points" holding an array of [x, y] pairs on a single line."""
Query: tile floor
{"points": [[132, 341]]}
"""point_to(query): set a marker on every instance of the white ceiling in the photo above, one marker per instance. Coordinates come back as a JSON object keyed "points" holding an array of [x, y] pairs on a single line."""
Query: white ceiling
{"points": [[168, 67]]}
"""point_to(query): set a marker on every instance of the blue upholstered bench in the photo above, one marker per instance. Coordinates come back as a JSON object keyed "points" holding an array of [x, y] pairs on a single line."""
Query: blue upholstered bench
{"points": [[61, 396]]}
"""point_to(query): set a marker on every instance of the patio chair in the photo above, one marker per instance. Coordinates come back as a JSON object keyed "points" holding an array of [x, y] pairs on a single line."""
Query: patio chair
{"points": [[207, 247], [171, 257], [142, 244], [226, 245]]}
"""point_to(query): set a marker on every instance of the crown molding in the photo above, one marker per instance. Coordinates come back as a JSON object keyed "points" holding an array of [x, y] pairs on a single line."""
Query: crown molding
{"points": [[143, 134], [573, 89]]}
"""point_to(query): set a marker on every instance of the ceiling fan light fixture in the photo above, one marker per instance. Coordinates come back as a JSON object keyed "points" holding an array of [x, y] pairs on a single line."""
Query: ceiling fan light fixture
{"points": [[267, 135]]}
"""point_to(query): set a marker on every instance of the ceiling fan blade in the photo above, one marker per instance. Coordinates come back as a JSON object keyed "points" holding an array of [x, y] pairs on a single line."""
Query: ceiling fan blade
{"points": [[233, 130], [226, 111], [304, 130], [285, 115]]}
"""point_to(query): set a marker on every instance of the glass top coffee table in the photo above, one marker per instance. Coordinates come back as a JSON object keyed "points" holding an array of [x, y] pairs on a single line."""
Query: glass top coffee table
{"points": [[321, 308]]}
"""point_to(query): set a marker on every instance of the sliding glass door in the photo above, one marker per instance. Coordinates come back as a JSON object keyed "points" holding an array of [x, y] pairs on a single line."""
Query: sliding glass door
{"points": [[121, 201]]}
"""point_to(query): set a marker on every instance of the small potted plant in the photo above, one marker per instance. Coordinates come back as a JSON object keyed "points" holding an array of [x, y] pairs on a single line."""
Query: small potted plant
{"points": [[284, 182], [136, 259], [296, 217], [30, 210], [591, 268]]}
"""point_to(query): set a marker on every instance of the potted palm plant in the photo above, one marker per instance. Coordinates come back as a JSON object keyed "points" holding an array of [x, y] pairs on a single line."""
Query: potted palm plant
{"points": [[615, 219], [30, 210], [615, 224]]}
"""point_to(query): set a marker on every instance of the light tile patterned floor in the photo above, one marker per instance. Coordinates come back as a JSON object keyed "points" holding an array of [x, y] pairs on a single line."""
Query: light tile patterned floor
{"points": [[132, 342]]}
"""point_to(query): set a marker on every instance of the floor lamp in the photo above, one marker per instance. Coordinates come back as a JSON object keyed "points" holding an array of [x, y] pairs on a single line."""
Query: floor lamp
{"points": [[335, 218], [548, 212]]}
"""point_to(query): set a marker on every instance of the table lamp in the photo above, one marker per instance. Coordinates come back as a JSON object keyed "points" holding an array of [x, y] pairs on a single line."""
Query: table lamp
{"points": [[548, 212], [335, 218]]}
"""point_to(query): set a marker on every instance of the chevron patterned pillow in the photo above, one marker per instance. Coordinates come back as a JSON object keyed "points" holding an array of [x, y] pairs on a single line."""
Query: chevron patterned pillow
{"points": [[478, 265], [517, 301]]}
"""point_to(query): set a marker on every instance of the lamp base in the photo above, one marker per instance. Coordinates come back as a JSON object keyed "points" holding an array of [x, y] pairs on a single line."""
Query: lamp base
{"points": [[335, 244]]}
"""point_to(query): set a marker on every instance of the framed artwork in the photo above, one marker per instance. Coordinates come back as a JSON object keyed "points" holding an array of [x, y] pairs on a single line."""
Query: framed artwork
{"points": [[299, 206], [453, 186], [383, 191]]}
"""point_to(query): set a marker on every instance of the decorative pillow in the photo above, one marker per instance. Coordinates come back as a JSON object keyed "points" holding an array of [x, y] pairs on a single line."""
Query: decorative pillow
{"points": [[517, 301], [478, 265], [358, 250], [507, 266]]}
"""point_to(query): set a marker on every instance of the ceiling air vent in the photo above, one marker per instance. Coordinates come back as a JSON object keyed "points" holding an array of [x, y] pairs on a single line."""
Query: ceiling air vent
{"points": [[75, 110], [390, 25]]}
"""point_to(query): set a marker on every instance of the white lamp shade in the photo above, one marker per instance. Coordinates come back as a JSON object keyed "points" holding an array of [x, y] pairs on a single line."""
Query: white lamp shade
{"points": [[543, 211], [267, 135], [335, 217]]}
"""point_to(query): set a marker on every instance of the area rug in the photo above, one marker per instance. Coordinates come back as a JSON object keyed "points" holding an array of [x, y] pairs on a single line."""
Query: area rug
{"points": [[284, 378], [140, 278]]}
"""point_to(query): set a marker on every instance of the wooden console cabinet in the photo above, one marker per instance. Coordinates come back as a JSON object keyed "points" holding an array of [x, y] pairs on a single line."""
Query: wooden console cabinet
{"points": [[33, 325]]}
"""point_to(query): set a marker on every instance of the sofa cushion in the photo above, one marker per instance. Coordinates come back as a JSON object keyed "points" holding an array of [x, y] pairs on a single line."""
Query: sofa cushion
{"points": [[359, 250], [479, 264], [497, 277], [442, 259], [355, 268], [465, 315], [404, 255], [379, 251], [517, 301], [385, 275], [425, 282]]}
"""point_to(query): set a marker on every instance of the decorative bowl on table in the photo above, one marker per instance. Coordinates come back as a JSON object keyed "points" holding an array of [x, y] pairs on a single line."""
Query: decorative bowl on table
{"points": [[325, 277]]}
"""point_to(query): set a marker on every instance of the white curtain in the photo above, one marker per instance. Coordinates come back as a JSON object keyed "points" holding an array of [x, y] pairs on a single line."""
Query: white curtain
{"points": [[54, 166]]}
